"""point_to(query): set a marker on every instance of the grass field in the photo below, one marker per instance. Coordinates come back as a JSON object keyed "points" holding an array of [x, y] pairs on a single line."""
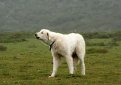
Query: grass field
{"points": [[30, 63]]}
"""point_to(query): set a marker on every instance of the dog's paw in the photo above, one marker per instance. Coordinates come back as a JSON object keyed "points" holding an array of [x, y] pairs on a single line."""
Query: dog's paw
{"points": [[83, 73], [51, 77], [70, 75]]}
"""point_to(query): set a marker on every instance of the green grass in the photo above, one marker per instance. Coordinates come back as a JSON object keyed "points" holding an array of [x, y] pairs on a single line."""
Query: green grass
{"points": [[30, 63]]}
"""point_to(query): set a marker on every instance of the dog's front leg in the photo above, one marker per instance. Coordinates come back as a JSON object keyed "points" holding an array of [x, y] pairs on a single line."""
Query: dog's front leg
{"points": [[56, 63], [69, 61]]}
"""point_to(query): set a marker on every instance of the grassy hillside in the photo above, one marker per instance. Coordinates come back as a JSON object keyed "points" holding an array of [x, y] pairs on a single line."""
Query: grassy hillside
{"points": [[61, 15], [29, 62]]}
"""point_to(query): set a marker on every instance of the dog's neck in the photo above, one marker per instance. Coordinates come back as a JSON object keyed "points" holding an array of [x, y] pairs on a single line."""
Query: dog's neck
{"points": [[51, 45], [53, 39]]}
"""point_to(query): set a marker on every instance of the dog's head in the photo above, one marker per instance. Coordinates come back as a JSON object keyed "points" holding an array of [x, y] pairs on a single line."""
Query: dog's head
{"points": [[43, 35]]}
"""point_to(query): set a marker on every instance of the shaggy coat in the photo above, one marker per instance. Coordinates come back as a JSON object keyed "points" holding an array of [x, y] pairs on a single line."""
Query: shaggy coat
{"points": [[71, 46]]}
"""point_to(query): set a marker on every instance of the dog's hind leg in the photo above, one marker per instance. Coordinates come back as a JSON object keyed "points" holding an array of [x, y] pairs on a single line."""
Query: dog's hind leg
{"points": [[81, 54], [75, 61]]}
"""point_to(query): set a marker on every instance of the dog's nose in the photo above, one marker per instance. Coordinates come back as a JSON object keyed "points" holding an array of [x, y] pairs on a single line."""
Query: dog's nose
{"points": [[36, 36]]}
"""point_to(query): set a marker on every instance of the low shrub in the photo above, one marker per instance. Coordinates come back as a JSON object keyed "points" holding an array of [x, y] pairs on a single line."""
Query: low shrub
{"points": [[97, 35], [3, 48], [14, 37], [96, 44], [97, 50], [112, 44], [116, 39], [115, 35]]}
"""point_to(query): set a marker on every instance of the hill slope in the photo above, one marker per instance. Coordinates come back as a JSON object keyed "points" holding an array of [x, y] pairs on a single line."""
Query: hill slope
{"points": [[67, 15]]}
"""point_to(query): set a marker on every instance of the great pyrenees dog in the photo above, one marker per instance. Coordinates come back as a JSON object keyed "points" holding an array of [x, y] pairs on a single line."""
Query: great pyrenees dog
{"points": [[71, 46]]}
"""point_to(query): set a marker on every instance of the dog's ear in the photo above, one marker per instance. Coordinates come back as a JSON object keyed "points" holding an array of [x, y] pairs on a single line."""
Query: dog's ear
{"points": [[48, 36]]}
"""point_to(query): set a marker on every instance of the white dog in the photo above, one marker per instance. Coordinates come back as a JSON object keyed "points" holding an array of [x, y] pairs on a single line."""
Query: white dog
{"points": [[71, 46]]}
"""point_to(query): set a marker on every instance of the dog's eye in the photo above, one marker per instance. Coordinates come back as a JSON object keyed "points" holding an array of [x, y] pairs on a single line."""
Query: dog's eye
{"points": [[41, 32]]}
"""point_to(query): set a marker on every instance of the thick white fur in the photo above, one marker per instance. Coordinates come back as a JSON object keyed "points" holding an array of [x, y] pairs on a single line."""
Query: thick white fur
{"points": [[65, 45]]}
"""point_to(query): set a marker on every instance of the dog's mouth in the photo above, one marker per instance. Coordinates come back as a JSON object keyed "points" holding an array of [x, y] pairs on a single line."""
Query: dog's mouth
{"points": [[37, 37]]}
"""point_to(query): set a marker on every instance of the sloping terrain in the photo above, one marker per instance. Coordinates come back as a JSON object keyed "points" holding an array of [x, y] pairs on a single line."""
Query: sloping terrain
{"points": [[61, 15]]}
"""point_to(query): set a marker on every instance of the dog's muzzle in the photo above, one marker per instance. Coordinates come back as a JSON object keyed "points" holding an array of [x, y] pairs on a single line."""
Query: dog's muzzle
{"points": [[36, 36]]}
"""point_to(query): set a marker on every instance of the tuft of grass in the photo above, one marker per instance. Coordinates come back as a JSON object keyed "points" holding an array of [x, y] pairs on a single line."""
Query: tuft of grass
{"points": [[3, 48]]}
